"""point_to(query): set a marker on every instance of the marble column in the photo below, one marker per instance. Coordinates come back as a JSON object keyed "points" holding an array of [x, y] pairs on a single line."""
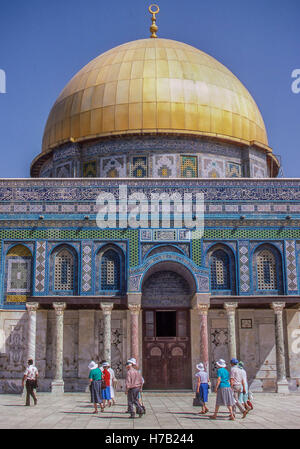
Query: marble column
{"points": [[31, 339], [203, 312], [134, 326], [230, 310], [57, 385], [282, 383], [106, 310]]}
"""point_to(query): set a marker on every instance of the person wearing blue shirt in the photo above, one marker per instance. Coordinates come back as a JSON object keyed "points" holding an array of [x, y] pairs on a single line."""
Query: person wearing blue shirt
{"points": [[223, 390]]}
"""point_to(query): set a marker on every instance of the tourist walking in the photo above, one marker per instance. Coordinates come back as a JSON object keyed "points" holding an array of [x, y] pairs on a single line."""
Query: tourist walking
{"points": [[202, 387], [238, 386], [106, 396], [244, 397], [95, 377], [134, 384], [113, 382], [223, 390], [30, 376]]}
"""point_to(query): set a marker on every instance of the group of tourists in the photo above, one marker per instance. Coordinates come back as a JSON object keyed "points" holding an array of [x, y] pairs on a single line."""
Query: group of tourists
{"points": [[102, 383], [231, 388]]}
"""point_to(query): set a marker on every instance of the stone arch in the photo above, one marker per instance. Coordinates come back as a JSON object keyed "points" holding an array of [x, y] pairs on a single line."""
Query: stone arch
{"points": [[168, 284], [164, 248]]}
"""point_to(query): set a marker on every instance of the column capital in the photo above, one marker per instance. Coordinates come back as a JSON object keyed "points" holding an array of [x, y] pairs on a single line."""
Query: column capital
{"points": [[230, 306], [106, 307], [32, 306], [134, 308], [277, 306], [202, 309], [59, 307]]}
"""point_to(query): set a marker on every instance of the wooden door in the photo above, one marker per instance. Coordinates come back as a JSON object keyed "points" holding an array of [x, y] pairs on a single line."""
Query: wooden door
{"points": [[166, 349]]}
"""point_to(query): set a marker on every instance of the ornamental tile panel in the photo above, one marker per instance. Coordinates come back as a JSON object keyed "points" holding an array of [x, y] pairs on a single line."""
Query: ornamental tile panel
{"points": [[244, 267], [188, 167], [40, 266], [291, 265], [164, 166], [87, 266]]}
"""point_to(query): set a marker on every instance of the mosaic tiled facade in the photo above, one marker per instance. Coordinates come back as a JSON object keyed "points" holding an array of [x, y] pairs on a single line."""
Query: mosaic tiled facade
{"points": [[158, 157], [78, 284]]}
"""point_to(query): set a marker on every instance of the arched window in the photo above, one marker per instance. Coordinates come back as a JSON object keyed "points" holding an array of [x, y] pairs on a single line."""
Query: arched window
{"points": [[110, 271], [220, 270], [18, 269], [64, 271], [266, 271]]}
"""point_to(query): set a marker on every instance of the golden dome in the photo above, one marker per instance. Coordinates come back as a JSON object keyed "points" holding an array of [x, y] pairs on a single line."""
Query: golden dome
{"points": [[157, 86]]}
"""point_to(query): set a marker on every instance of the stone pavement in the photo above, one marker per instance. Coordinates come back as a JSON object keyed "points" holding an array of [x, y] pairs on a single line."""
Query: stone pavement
{"points": [[164, 411]]}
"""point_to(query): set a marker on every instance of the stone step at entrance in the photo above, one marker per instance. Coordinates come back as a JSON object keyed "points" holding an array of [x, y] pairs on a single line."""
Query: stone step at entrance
{"points": [[167, 392]]}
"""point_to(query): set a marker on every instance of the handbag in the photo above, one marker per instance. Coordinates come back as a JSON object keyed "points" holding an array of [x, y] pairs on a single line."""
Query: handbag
{"points": [[197, 401]]}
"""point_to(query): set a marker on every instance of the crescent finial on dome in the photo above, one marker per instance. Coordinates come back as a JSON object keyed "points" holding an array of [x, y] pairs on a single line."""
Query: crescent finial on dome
{"points": [[153, 27]]}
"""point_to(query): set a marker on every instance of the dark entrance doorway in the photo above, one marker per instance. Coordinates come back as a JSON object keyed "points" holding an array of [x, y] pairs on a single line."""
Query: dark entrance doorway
{"points": [[166, 349]]}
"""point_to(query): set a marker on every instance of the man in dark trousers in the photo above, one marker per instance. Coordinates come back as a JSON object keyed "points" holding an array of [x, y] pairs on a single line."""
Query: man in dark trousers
{"points": [[134, 384], [30, 376]]}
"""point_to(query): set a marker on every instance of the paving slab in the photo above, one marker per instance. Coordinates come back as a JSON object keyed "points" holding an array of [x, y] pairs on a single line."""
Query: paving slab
{"points": [[163, 411]]}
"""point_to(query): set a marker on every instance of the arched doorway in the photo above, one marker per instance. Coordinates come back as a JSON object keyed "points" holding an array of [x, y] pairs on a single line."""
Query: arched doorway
{"points": [[166, 295]]}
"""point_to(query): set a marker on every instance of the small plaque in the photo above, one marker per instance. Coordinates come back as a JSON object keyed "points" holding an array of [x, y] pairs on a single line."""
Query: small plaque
{"points": [[246, 324]]}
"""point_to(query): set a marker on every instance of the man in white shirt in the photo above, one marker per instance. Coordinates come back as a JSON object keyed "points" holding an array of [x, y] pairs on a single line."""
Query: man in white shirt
{"points": [[30, 376], [238, 386]]}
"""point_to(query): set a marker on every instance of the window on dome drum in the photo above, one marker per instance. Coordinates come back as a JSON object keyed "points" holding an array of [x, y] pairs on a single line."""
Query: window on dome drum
{"points": [[189, 167], [139, 167], [219, 271], [90, 169], [110, 271], [266, 271], [64, 271]]}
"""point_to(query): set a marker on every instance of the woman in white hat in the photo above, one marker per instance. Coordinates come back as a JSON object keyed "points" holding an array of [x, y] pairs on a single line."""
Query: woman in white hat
{"points": [[223, 390], [95, 377], [202, 387]]}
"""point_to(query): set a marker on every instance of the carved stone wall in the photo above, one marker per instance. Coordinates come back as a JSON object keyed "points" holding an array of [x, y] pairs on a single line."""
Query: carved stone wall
{"points": [[118, 341]]}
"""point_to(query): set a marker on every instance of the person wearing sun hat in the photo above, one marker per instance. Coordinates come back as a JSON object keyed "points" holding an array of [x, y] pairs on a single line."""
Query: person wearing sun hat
{"points": [[238, 386], [134, 384], [95, 377], [202, 386], [223, 390]]}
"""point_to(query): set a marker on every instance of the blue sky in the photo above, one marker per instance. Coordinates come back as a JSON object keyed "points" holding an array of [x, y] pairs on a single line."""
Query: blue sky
{"points": [[44, 43]]}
